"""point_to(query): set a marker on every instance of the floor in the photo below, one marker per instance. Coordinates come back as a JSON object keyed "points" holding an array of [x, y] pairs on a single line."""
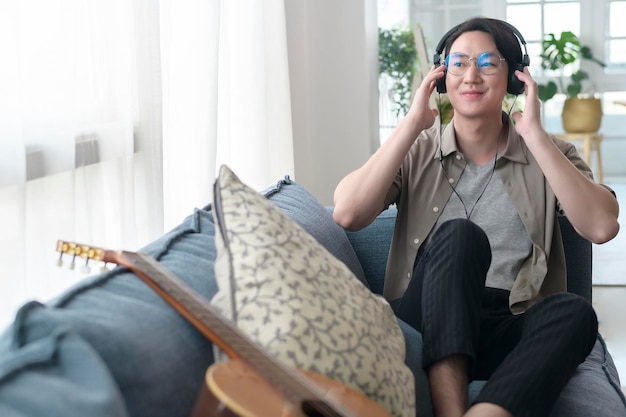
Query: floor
{"points": [[609, 289]]}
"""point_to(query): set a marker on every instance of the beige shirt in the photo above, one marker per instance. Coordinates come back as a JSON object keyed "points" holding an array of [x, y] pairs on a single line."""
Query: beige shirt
{"points": [[421, 190]]}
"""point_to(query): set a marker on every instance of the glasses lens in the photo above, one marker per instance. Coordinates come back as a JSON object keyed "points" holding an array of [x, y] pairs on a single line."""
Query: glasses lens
{"points": [[488, 63], [457, 64]]}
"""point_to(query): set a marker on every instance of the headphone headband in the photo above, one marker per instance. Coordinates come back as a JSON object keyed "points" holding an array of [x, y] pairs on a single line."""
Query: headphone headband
{"points": [[442, 43]]}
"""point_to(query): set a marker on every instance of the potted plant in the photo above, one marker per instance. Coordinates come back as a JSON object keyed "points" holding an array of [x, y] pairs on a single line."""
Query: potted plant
{"points": [[397, 59], [582, 112]]}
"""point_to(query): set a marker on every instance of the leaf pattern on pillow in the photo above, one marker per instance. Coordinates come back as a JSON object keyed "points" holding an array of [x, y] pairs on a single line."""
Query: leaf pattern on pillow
{"points": [[294, 298]]}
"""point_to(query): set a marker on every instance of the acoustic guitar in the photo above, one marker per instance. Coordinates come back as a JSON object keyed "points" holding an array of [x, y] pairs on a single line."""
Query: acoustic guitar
{"points": [[253, 383]]}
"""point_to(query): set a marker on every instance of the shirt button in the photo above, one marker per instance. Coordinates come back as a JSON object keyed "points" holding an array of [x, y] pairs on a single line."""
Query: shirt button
{"points": [[458, 157], [451, 180], [408, 275], [435, 209], [416, 241]]}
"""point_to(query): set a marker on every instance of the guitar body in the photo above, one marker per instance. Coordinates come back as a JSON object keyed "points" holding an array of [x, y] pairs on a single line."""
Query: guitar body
{"points": [[236, 390]]}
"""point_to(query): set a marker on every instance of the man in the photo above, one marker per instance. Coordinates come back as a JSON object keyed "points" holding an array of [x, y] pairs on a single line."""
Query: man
{"points": [[476, 262]]}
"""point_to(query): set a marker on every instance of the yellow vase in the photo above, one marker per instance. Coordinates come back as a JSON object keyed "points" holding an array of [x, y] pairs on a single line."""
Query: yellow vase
{"points": [[582, 115]]}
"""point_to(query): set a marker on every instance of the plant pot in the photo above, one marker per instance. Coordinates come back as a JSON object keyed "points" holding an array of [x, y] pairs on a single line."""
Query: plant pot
{"points": [[582, 115]]}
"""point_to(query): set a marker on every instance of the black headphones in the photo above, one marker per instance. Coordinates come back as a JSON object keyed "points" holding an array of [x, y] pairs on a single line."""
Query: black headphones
{"points": [[514, 86]]}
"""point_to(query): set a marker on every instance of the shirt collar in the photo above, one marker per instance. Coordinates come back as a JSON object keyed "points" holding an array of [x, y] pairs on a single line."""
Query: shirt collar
{"points": [[447, 140], [513, 152]]}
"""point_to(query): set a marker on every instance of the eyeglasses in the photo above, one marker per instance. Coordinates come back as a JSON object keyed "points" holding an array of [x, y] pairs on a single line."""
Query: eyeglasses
{"points": [[488, 63]]}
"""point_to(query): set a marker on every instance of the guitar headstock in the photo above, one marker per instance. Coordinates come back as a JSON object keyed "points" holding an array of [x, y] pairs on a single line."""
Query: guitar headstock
{"points": [[87, 252]]}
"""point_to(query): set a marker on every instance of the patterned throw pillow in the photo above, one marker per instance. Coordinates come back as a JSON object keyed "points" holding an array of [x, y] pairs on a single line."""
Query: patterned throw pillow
{"points": [[294, 298]]}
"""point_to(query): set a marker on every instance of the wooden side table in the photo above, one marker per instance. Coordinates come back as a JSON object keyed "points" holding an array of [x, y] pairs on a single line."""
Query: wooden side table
{"points": [[590, 143]]}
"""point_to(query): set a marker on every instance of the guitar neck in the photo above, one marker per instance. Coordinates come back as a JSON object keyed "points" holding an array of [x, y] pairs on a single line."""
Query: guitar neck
{"points": [[295, 388]]}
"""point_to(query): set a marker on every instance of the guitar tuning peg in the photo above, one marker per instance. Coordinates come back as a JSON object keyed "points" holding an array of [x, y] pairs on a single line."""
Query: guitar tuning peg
{"points": [[85, 269], [73, 263], [60, 261], [104, 268]]}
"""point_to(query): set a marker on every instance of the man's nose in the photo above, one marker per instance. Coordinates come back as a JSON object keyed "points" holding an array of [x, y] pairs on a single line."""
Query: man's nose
{"points": [[472, 71]]}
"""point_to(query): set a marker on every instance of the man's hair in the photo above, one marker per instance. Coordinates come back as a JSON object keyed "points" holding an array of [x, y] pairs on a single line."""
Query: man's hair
{"points": [[506, 41]]}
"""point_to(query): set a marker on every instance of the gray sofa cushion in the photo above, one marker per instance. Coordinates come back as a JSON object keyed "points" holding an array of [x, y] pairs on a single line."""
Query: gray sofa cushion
{"points": [[594, 389]]}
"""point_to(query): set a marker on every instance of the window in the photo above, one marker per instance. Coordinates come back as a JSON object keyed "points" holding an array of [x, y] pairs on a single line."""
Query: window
{"points": [[523, 15], [615, 38], [598, 23]]}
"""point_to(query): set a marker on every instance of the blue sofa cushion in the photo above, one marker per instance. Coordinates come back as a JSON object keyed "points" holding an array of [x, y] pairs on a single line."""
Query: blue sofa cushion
{"points": [[58, 375], [139, 347], [302, 207], [371, 245]]}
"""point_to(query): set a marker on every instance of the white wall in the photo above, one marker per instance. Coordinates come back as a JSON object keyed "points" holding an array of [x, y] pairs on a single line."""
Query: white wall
{"points": [[333, 69]]}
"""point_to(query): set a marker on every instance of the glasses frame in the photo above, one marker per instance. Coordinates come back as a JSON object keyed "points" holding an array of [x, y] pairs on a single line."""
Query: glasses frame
{"points": [[475, 59]]}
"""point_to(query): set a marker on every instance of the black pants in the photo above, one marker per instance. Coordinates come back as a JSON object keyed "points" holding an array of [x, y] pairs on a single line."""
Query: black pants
{"points": [[526, 359]]}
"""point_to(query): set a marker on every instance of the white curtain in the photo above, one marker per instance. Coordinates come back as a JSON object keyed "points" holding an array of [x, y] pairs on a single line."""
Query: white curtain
{"points": [[116, 114]]}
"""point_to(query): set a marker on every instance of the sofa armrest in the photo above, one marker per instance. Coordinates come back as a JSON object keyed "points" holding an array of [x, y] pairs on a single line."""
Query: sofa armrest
{"points": [[578, 258], [371, 245]]}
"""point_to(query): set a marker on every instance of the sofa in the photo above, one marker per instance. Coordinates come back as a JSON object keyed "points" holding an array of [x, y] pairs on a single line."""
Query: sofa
{"points": [[110, 346]]}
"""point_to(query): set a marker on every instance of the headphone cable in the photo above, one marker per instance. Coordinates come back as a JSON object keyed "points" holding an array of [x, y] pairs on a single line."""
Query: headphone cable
{"points": [[493, 170]]}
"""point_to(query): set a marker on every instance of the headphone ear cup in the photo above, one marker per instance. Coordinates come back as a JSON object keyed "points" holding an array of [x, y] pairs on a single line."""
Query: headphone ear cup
{"points": [[441, 83], [515, 86]]}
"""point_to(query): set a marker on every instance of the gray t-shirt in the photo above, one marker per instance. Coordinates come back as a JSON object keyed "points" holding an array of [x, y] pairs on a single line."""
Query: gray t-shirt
{"points": [[496, 215]]}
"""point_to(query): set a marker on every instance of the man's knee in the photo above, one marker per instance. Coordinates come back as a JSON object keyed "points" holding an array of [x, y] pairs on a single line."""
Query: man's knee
{"points": [[569, 305], [460, 241], [570, 313]]}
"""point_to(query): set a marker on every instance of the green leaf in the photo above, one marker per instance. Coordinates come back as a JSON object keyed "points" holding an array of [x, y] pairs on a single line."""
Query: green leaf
{"points": [[547, 91], [585, 53], [560, 52], [579, 76], [574, 89]]}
